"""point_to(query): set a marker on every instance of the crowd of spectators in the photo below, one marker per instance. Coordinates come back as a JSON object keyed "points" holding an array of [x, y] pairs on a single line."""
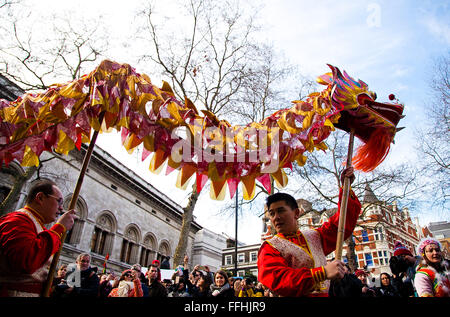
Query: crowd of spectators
{"points": [[202, 282], [199, 282], [83, 280]]}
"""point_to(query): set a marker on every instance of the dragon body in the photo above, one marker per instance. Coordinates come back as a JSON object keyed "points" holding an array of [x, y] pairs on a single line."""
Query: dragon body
{"points": [[61, 119]]}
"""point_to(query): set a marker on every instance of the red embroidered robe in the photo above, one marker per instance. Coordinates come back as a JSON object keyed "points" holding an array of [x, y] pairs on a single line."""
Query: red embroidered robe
{"points": [[26, 250], [292, 265]]}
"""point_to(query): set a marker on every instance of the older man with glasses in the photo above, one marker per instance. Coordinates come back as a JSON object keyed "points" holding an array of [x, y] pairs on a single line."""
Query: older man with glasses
{"points": [[83, 281], [26, 246]]}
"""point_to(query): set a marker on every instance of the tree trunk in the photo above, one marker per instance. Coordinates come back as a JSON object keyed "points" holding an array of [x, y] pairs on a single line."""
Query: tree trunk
{"points": [[351, 255], [188, 216], [8, 203]]}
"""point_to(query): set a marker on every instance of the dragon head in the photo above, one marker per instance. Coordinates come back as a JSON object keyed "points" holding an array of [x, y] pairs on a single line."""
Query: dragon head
{"points": [[374, 123]]}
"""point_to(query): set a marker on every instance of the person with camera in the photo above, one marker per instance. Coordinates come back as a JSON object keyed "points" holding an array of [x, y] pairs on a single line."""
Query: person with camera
{"points": [[403, 265], [129, 285], [246, 288], [432, 277], [366, 290]]}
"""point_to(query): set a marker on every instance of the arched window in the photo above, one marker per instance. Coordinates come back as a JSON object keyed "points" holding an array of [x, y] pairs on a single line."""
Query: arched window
{"points": [[148, 253], [74, 235], [163, 250], [130, 245], [8, 178], [102, 237]]}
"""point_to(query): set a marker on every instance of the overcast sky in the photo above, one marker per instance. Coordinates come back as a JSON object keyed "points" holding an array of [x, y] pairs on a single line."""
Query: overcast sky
{"points": [[388, 44]]}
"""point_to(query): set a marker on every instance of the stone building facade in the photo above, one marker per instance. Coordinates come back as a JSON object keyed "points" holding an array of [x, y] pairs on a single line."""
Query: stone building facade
{"points": [[207, 249], [441, 231]]}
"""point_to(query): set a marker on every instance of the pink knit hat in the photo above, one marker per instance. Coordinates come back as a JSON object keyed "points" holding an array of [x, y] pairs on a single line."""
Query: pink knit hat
{"points": [[427, 241]]}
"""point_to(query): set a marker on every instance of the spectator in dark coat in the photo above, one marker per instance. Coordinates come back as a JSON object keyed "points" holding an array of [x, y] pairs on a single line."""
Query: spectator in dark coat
{"points": [[386, 289], [165, 264], [155, 287], [348, 286], [202, 285], [83, 282], [178, 289]]}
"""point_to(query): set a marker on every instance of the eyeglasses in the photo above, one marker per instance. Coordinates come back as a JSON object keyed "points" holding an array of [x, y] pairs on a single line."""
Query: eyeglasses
{"points": [[58, 199]]}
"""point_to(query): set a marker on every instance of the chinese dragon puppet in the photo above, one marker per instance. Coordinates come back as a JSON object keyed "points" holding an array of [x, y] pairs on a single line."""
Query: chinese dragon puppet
{"points": [[62, 117]]}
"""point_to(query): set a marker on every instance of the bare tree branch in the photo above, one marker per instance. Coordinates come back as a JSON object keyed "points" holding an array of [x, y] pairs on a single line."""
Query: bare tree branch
{"points": [[434, 140], [35, 59]]}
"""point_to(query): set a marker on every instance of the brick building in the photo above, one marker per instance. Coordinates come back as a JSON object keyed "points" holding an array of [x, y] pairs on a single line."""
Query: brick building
{"points": [[247, 257]]}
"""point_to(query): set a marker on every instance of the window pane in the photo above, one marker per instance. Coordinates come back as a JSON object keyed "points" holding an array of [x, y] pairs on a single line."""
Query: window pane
{"points": [[94, 239], [365, 236], [101, 246], [123, 252], [368, 258], [128, 256]]}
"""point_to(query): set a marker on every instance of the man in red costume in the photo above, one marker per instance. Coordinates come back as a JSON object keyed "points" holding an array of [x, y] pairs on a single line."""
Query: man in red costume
{"points": [[26, 246], [292, 262]]}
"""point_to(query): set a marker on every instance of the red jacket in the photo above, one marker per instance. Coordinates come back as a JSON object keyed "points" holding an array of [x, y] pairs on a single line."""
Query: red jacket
{"points": [[23, 250], [274, 271]]}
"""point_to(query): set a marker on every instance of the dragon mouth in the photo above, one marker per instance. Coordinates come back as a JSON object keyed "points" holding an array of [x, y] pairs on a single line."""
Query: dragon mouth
{"points": [[370, 116], [388, 111]]}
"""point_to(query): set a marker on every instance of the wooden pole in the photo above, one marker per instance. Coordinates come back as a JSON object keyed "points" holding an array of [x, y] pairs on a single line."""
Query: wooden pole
{"points": [[73, 203], [236, 233], [344, 202]]}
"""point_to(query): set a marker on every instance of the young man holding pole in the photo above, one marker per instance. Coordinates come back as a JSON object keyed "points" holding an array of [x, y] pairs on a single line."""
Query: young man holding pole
{"points": [[292, 262], [26, 246]]}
